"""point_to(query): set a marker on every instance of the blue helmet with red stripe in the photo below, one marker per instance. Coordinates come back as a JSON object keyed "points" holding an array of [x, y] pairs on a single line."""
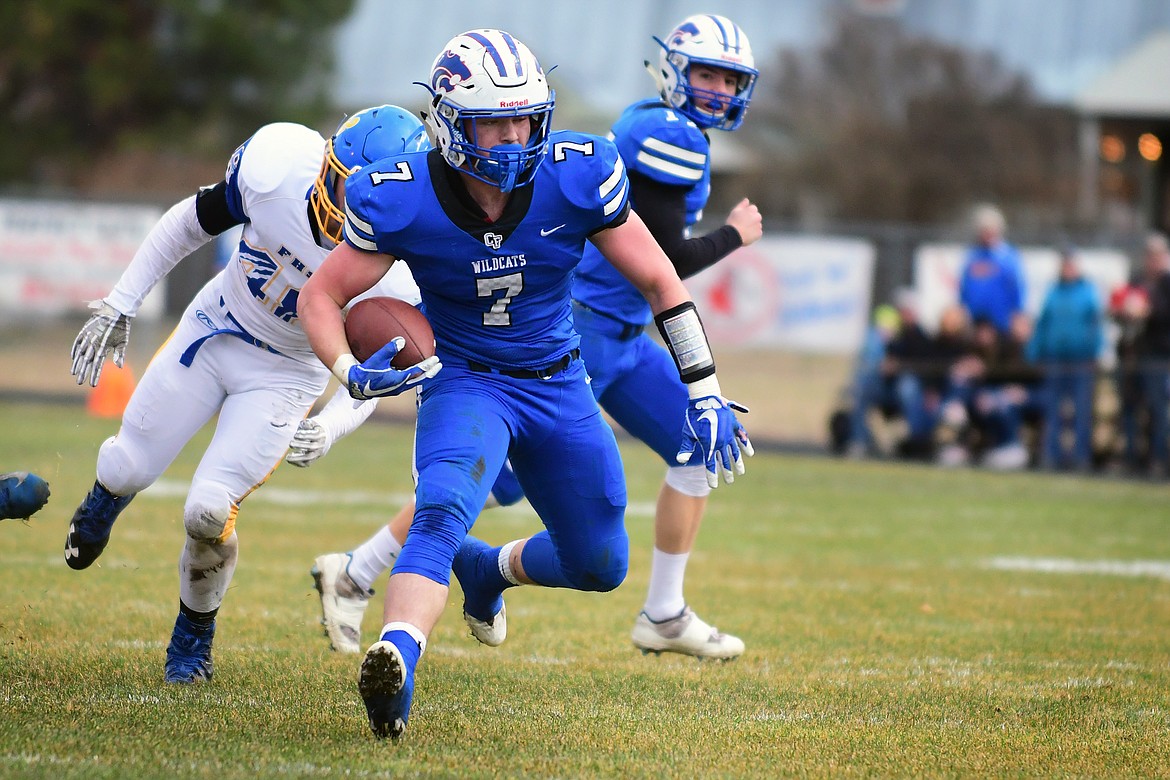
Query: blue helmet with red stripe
{"points": [[483, 75]]}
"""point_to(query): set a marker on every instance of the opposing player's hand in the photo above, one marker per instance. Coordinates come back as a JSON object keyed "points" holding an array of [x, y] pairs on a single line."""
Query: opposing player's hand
{"points": [[106, 332], [712, 432], [309, 444], [376, 378], [746, 219]]}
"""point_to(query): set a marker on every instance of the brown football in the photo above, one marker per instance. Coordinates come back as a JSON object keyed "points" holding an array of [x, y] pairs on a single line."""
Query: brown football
{"points": [[371, 324]]}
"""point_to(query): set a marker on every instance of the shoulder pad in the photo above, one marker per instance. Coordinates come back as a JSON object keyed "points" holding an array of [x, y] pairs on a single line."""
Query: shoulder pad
{"points": [[594, 175], [388, 193], [273, 153], [662, 144]]}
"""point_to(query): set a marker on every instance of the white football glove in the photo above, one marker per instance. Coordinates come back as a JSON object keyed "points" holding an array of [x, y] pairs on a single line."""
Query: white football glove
{"points": [[106, 332], [309, 444]]}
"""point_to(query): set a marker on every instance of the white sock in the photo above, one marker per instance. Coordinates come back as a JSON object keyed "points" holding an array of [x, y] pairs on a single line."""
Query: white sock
{"points": [[504, 561], [373, 558], [664, 599], [205, 572], [415, 633]]}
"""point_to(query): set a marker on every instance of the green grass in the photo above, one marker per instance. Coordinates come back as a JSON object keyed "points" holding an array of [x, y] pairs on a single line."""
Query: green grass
{"points": [[880, 641]]}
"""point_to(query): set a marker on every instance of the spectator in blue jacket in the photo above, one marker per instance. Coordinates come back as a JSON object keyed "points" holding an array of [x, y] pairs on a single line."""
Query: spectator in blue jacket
{"points": [[991, 284], [1065, 343]]}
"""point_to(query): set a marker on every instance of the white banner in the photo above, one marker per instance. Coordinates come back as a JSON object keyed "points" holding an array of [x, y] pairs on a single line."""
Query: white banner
{"points": [[56, 256], [937, 268], [808, 294]]}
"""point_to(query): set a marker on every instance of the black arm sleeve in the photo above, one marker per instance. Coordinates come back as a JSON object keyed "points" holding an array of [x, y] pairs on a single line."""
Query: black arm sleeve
{"points": [[663, 208], [211, 209]]}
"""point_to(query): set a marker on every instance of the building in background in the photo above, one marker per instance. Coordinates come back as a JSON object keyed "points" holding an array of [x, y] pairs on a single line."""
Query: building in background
{"points": [[1124, 128]]}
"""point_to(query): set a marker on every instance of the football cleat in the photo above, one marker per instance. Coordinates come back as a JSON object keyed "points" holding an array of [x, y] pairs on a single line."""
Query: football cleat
{"points": [[494, 630], [685, 633], [343, 603], [89, 531], [386, 689], [189, 653], [489, 632], [21, 495]]}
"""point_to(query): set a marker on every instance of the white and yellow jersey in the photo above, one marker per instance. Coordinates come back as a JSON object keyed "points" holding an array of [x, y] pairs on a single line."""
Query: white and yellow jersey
{"points": [[268, 181]]}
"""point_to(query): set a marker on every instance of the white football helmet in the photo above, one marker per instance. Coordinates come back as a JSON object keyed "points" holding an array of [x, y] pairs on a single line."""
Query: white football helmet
{"points": [[488, 74], [711, 40]]}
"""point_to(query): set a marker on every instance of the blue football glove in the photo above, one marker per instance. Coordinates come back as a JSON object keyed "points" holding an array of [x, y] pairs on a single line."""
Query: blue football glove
{"points": [[376, 378], [21, 494], [712, 433]]}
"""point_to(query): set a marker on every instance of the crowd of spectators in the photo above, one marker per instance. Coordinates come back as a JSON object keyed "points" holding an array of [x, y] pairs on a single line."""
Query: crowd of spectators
{"points": [[994, 386]]}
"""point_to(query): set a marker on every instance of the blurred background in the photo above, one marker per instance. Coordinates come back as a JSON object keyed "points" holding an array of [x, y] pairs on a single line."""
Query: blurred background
{"points": [[877, 126]]}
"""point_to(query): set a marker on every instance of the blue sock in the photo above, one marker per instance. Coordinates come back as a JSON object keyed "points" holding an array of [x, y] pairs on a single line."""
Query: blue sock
{"points": [[477, 568]]}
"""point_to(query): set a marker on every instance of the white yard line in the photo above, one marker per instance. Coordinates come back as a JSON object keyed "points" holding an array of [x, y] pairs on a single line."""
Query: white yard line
{"points": [[168, 488], [1158, 569]]}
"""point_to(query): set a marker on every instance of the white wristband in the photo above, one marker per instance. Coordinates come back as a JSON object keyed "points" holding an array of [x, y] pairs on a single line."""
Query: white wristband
{"points": [[704, 387], [342, 365]]}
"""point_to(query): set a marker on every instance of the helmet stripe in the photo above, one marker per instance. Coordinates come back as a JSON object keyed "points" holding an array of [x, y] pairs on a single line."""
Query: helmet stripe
{"points": [[722, 31], [490, 48], [511, 42]]}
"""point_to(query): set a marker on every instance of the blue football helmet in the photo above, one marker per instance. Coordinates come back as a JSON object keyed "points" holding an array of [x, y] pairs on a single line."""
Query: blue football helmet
{"points": [[715, 41], [488, 74], [361, 139]]}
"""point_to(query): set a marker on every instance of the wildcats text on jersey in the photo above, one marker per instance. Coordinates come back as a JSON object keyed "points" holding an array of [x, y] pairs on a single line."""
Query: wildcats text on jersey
{"points": [[498, 263]]}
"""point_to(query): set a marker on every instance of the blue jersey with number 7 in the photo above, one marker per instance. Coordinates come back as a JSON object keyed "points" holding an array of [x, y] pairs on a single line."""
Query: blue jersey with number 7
{"points": [[494, 292]]}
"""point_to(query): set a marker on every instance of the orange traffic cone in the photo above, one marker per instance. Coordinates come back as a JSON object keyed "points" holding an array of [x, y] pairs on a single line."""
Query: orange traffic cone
{"points": [[112, 393]]}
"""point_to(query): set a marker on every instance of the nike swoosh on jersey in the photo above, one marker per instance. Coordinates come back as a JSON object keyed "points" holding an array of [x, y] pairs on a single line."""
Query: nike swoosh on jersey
{"points": [[550, 231]]}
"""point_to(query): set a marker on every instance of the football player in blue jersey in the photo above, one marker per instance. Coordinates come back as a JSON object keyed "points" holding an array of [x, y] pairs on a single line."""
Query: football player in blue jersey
{"points": [[492, 223], [705, 76], [238, 352]]}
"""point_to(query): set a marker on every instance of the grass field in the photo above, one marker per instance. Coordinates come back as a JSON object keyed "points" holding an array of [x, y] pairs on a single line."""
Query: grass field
{"points": [[901, 622]]}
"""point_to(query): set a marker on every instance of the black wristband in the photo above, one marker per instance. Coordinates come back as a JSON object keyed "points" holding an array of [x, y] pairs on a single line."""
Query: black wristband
{"points": [[682, 330]]}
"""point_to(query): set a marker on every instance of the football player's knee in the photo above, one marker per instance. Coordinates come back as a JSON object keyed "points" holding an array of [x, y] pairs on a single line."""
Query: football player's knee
{"points": [[689, 480], [122, 467], [602, 569], [435, 536], [209, 516], [440, 497]]}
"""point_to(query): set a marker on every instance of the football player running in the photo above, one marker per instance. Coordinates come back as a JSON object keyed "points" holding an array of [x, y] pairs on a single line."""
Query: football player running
{"points": [[345, 580], [238, 351], [705, 76], [492, 223]]}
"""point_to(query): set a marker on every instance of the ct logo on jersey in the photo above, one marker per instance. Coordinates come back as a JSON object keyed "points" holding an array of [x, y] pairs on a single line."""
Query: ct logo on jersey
{"points": [[679, 36], [494, 240], [450, 72]]}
